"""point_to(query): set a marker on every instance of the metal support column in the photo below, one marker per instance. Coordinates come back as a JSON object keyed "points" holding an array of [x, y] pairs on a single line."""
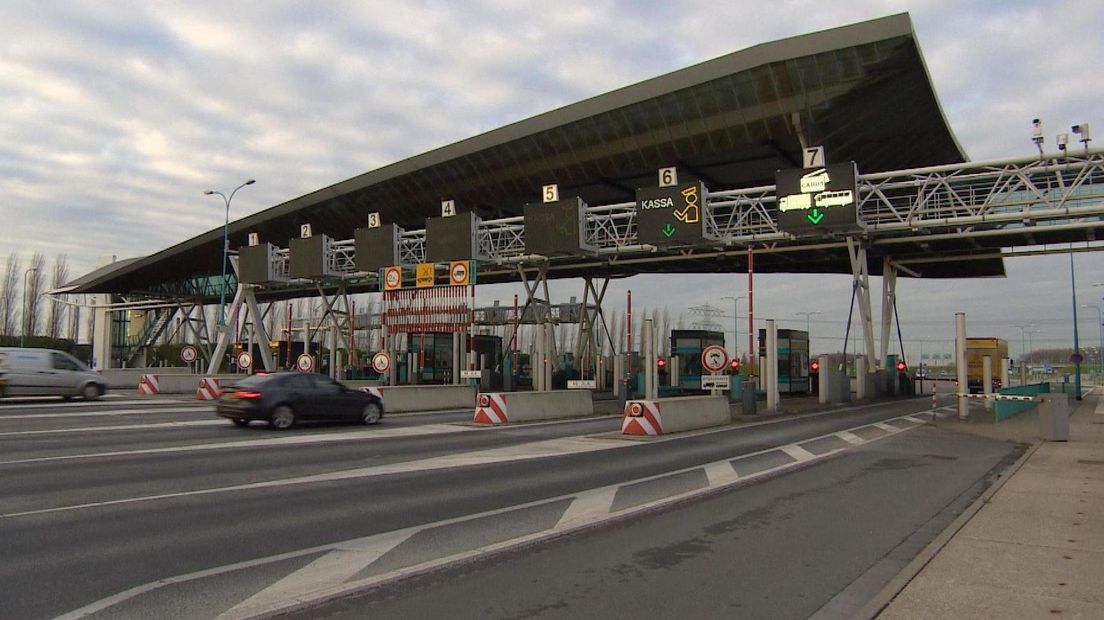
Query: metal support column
{"points": [[861, 275], [889, 293], [771, 371], [225, 332], [960, 364]]}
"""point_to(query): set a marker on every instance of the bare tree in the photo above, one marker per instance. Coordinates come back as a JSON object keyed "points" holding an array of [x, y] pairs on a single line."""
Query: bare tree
{"points": [[8, 291], [73, 330], [58, 277], [36, 282], [665, 332]]}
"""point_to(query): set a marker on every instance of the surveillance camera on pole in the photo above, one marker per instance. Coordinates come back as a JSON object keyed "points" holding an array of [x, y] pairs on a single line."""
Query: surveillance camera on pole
{"points": [[1083, 131], [1037, 134], [1062, 140]]}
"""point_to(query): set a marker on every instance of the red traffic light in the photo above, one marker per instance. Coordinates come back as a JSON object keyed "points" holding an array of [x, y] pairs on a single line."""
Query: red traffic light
{"points": [[814, 366], [901, 366], [734, 365], [661, 363]]}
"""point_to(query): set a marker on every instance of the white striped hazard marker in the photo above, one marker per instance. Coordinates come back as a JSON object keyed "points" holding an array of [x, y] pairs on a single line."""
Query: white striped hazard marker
{"points": [[642, 418], [374, 391], [148, 384], [208, 389], [490, 408]]}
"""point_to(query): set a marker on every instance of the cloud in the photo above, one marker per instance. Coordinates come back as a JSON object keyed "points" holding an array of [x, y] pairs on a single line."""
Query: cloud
{"points": [[115, 117]]}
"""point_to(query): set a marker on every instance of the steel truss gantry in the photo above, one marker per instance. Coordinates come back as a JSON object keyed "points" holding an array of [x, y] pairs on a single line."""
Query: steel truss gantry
{"points": [[976, 199], [1060, 192]]}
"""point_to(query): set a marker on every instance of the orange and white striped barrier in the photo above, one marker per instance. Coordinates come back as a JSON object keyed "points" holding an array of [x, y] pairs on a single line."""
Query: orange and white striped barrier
{"points": [[490, 409], [208, 389], [148, 384], [642, 418]]}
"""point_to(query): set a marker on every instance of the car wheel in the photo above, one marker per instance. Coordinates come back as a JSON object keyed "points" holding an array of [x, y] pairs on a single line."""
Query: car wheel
{"points": [[240, 422], [282, 418], [91, 392], [371, 414]]}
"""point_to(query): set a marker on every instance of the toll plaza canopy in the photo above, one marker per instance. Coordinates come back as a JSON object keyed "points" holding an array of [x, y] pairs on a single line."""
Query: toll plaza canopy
{"points": [[862, 91]]}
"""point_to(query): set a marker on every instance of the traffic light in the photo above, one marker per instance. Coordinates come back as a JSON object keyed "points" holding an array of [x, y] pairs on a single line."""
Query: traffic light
{"points": [[734, 366], [901, 366], [661, 363], [814, 366]]}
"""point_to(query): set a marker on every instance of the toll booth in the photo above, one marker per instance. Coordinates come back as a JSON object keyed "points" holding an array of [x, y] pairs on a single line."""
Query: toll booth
{"points": [[687, 346], [793, 360], [435, 367]]}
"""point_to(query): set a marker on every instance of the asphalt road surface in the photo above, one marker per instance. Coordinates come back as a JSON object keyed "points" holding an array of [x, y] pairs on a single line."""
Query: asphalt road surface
{"points": [[156, 509]]}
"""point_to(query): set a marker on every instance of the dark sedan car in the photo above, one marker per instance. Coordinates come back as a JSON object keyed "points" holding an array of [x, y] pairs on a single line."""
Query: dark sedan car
{"points": [[285, 398]]}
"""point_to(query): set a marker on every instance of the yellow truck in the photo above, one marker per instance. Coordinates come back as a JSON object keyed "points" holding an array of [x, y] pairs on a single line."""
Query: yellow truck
{"points": [[978, 348]]}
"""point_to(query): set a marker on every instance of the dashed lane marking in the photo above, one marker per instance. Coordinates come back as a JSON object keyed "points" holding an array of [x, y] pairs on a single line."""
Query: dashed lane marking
{"points": [[331, 575], [851, 438], [798, 453]]}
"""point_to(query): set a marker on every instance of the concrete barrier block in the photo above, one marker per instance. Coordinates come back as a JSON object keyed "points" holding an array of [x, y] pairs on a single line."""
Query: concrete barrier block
{"points": [[504, 407], [672, 415], [407, 398]]}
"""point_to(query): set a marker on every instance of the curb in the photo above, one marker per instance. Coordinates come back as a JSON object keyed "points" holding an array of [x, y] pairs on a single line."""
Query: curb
{"points": [[878, 604]]}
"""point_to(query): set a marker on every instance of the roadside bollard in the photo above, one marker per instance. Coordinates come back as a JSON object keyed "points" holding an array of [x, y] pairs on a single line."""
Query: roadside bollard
{"points": [[933, 401]]}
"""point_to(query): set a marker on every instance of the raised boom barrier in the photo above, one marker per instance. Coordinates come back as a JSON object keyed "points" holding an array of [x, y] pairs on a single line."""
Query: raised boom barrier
{"points": [[507, 407], [672, 415]]}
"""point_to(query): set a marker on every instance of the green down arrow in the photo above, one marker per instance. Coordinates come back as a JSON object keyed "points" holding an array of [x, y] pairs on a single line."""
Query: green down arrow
{"points": [[815, 216], [668, 231]]}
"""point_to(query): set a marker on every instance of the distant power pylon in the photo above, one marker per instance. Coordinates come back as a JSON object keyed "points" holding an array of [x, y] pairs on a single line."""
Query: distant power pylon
{"points": [[707, 312]]}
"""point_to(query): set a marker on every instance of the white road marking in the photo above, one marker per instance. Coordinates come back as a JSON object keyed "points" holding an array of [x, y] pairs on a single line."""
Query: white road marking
{"points": [[851, 438], [594, 499], [337, 566], [588, 506], [886, 427], [366, 434], [914, 419], [798, 453], [37, 403], [120, 427], [720, 473], [111, 412], [535, 450]]}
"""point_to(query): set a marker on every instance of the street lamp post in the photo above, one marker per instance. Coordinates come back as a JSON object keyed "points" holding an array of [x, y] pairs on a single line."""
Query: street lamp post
{"points": [[1100, 328], [808, 330], [735, 326], [26, 317], [225, 246]]}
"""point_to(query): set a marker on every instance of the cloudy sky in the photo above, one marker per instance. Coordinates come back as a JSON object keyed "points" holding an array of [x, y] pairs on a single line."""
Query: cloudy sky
{"points": [[115, 116]]}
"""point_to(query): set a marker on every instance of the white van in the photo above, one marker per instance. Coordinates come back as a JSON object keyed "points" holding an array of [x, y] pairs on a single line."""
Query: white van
{"points": [[45, 372]]}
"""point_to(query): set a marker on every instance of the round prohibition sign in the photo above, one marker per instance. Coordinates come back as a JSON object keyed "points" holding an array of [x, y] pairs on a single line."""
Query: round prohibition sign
{"points": [[393, 277], [304, 362], [635, 410], [714, 358], [459, 273], [245, 360], [188, 354], [381, 362]]}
